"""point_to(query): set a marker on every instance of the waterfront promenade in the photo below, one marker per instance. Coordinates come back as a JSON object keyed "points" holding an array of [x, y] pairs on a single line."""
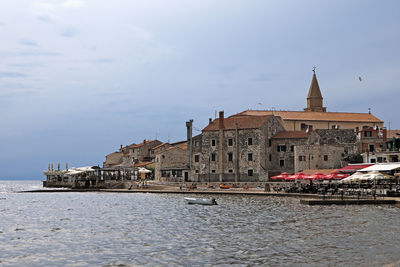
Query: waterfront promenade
{"points": [[309, 199]]}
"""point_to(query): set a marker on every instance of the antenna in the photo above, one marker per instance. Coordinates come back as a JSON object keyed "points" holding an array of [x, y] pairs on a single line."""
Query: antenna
{"points": [[369, 110]]}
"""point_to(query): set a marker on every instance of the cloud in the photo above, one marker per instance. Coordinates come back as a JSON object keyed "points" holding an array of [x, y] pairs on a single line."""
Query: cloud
{"points": [[12, 74], [73, 4], [30, 54], [43, 5], [103, 60], [262, 77], [45, 19], [28, 42], [69, 32]]}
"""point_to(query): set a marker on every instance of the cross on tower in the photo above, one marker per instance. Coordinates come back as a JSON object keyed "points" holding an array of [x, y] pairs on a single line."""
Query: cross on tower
{"points": [[314, 69]]}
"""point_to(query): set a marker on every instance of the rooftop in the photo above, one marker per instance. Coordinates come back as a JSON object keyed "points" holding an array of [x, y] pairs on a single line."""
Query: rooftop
{"points": [[313, 116], [242, 122]]}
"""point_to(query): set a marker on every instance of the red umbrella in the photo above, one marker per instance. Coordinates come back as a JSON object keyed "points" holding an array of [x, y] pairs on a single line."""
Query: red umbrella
{"points": [[283, 175], [316, 176], [336, 175], [297, 176]]}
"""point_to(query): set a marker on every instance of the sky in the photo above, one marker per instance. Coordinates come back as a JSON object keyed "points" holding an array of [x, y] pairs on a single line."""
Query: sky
{"points": [[78, 78]]}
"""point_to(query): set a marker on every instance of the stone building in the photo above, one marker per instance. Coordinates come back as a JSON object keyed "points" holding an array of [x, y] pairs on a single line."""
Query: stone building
{"points": [[285, 143], [142, 152], [171, 164], [281, 155], [132, 154], [113, 159], [325, 149], [318, 157], [233, 149]]}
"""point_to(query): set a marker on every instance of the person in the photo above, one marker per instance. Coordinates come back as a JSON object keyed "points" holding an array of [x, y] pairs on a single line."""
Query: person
{"points": [[267, 188]]}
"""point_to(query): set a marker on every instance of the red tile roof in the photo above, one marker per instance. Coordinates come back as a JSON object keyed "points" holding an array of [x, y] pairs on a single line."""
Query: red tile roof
{"points": [[242, 122], [314, 116], [141, 144], [160, 145], [291, 134]]}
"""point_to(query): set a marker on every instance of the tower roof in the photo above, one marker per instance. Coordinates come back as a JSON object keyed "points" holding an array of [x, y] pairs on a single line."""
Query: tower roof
{"points": [[314, 91]]}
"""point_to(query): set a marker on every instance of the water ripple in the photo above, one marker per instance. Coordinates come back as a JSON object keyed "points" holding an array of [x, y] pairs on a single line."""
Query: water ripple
{"points": [[96, 229]]}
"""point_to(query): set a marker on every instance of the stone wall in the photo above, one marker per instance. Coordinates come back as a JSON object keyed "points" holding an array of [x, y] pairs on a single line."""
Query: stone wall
{"points": [[113, 159], [318, 157], [172, 159]]}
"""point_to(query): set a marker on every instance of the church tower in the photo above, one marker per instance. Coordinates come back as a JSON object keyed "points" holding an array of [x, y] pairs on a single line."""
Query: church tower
{"points": [[314, 98]]}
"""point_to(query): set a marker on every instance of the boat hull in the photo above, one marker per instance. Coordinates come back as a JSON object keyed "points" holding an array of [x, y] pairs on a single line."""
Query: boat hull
{"points": [[200, 201]]}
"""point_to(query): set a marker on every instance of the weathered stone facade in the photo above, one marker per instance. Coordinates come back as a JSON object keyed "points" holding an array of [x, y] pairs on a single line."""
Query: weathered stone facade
{"points": [[113, 159], [171, 164], [318, 157], [233, 150], [281, 154]]}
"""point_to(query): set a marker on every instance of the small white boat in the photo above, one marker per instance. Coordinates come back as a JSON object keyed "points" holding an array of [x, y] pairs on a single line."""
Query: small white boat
{"points": [[201, 201]]}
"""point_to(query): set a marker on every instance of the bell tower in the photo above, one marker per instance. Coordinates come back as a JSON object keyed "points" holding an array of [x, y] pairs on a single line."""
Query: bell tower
{"points": [[314, 97]]}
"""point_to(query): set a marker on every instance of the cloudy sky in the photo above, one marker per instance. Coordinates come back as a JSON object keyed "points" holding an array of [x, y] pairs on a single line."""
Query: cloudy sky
{"points": [[80, 77]]}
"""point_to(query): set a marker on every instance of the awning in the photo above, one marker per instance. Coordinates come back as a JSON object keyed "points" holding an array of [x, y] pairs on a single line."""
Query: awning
{"points": [[354, 167], [383, 167]]}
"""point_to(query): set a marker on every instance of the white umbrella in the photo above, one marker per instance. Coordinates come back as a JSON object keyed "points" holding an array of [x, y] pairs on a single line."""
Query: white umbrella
{"points": [[356, 177], [144, 170]]}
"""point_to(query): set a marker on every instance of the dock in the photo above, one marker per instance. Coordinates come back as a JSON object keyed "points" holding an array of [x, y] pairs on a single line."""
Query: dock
{"points": [[313, 202]]}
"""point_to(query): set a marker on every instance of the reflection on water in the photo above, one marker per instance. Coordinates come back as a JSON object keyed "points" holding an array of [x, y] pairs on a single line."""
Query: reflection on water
{"points": [[105, 229]]}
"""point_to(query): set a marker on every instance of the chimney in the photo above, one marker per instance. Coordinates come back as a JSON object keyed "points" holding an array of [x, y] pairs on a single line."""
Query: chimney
{"points": [[189, 134], [209, 120], [144, 141], [221, 120]]}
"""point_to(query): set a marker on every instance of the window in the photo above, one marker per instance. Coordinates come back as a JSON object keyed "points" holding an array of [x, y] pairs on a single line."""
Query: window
{"points": [[371, 148], [302, 158], [373, 160], [335, 126], [338, 138], [230, 156], [230, 171], [291, 148], [213, 142], [213, 157], [250, 156], [367, 134], [269, 142], [270, 157], [163, 156], [325, 157], [282, 162], [230, 142], [249, 172], [196, 158], [250, 141], [197, 171], [281, 148], [212, 171], [196, 143], [303, 126]]}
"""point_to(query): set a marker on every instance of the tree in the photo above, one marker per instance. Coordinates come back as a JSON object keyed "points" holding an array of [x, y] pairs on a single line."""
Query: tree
{"points": [[354, 158]]}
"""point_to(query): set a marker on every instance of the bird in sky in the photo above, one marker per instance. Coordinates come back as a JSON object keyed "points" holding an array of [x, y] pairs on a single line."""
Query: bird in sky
{"points": [[359, 77]]}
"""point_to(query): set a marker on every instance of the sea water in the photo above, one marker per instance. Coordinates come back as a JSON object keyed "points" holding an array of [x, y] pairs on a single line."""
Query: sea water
{"points": [[111, 229]]}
